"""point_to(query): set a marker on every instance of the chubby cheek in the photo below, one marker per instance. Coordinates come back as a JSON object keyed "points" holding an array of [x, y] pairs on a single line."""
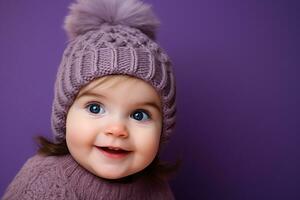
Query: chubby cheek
{"points": [[148, 144], [79, 134]]}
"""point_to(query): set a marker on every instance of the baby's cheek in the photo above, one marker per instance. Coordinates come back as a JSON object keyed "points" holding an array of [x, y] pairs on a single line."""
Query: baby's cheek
{"points": [[79, 134], [148, 144]]}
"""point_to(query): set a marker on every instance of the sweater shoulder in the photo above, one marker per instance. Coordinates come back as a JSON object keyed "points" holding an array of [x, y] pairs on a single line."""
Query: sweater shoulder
{"points": [[41, 177]]}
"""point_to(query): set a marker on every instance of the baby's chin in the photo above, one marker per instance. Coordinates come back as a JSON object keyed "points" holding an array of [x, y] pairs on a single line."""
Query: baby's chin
{"points": [[111, 174], [114, 175]]}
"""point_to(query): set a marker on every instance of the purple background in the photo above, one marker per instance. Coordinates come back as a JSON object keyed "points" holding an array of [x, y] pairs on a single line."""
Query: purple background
{"points": [[237, 69]]}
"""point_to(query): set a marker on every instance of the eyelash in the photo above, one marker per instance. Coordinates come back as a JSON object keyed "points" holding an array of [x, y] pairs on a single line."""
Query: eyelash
{"points": [[88, 107], [89, 104], [143, 111]]}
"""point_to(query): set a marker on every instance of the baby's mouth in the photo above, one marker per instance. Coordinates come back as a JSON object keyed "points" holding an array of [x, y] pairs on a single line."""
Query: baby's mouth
{"points": [[113, 152]]}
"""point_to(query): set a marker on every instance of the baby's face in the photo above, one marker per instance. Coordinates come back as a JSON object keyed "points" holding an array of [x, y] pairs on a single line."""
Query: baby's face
{"points": [[113, 127]]}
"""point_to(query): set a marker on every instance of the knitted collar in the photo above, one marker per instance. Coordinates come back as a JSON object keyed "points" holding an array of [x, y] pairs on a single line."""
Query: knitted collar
{"points": [[88, 186]]}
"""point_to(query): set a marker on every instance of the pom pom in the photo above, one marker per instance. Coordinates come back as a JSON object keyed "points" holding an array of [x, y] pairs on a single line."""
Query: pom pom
{"points": [[87, 15]]}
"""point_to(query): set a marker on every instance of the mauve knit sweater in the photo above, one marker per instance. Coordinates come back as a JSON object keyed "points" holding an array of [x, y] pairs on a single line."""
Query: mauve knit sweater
{"points": [[61, 178]]}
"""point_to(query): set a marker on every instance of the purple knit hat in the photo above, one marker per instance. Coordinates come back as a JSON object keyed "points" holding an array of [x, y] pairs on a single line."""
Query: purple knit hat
{"points": [[111, 37]]}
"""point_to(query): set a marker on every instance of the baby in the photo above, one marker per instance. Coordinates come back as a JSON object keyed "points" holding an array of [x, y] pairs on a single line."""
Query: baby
{"points": [[114, 107]]}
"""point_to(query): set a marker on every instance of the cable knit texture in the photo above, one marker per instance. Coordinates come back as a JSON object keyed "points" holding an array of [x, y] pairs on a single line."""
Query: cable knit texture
{"points": [[108, 38], [61, 178]]}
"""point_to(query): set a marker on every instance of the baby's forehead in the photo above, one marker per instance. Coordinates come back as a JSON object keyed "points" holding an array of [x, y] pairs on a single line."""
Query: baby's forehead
{"points": [[107, 82], [131, 88]]}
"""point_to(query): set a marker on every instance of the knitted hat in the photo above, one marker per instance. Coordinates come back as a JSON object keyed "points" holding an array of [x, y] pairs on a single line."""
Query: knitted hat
{"points": [[111, 37]]}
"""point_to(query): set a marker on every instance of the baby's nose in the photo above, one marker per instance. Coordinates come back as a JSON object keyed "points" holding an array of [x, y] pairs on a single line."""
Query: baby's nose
{"points": [[117, 130]]}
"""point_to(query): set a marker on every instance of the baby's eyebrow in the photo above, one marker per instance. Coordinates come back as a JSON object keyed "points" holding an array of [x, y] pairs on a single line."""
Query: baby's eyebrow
{"points": [[89, 93], [151, 104]]}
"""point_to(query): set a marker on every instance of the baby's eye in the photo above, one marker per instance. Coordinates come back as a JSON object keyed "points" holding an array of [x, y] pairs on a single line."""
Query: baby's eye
{"points": [[95, 108], [140, 115]]}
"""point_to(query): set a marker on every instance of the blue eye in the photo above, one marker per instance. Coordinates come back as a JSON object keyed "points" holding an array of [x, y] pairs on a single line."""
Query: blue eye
{"points": [[140, 115], [95, 108]]}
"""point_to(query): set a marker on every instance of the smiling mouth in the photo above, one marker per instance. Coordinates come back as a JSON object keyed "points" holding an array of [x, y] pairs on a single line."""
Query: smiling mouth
{"points": [[114, 152]]}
